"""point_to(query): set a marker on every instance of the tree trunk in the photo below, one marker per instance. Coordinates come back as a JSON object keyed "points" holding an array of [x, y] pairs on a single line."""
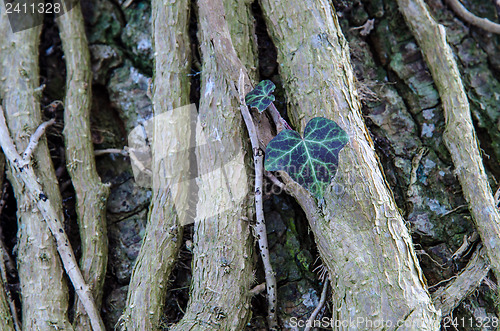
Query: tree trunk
{"points": [[44, 291], [222, 255], [91, 194], [359, 215], [459, 136], [6, 318], [148, 286], [412, 185]]}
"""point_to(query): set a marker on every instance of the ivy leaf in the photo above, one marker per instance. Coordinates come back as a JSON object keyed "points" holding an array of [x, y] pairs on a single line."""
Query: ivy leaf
{"points": [[260, 97], [311, 161]]}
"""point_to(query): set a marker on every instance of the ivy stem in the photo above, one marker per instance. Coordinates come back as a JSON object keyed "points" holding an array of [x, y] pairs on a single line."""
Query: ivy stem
{"points": [[260, 226], [279, 121]]}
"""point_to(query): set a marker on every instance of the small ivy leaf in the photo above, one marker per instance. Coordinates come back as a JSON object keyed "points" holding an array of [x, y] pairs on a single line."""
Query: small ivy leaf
{"points": [[311, 161], [260, 97]]}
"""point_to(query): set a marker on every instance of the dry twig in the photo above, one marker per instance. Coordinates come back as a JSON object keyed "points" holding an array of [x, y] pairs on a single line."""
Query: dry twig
{"points": [[24, 171], [459, 135], [34, 139], [322, 300], [260, 226], [470, 18]]}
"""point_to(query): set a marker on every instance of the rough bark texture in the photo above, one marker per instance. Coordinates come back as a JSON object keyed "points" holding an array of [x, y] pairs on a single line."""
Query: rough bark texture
{"points": [[148, 285], [359, 231], [459, 136], [91, 194], [23, 169], [6, 321], [222, 255], [44, 291], [5, 315]]}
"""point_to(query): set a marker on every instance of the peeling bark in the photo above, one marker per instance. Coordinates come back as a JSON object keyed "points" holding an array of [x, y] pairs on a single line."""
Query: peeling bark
{"points": [[91, 194], [44, 291], [148, 285], [360, 233]]}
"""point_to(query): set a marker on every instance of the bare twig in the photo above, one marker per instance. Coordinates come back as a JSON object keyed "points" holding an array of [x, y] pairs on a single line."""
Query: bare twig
{"points": [[26, 174], [459, 135], [442, 281], [452, 211], [35, 137], [467, 16], [99, 152], [322, 300], [466, 245], [258, 289], [365, 28], [260, 226], [274, 180], [412, 188], [497, 197], [280, 123]]}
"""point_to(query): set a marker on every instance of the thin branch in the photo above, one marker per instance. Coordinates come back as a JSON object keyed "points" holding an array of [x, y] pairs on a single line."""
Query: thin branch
{"points": [[91, 194], [111, 151], [459, 135], [35, 137], [464, 248], [260, 225], [466, 282], [258, 289], [470, 18], [274, 179], [497, 197], [26, 174], [322, 300], [280, 123]]}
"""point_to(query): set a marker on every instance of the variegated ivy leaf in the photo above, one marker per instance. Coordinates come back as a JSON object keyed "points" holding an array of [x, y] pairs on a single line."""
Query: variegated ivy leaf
{"points": [[260, 97], [311, 161]]}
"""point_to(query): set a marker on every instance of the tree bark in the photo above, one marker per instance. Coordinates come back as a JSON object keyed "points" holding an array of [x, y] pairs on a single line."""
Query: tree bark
{"points": [[148, 285], [6, 318], [222, 257], [91, 194], [459, 136], [44, 292], [359, 231]]}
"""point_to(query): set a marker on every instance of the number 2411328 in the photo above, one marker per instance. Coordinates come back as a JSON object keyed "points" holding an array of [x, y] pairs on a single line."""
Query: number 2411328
{"points": [[40, 8], [478, 322]]}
